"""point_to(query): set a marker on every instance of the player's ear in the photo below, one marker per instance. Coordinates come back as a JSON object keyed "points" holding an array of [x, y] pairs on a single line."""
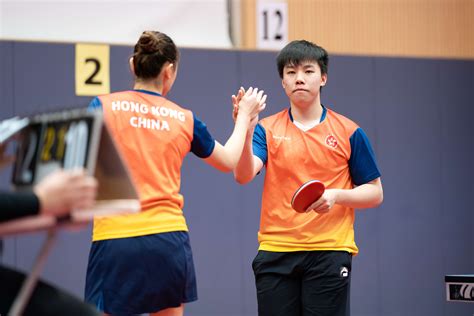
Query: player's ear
{"points": [[169, 70], [324, 79], [131, 65], [283, 84]]}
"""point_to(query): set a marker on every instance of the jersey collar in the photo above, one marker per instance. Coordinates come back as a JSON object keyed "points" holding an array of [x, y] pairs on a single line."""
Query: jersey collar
{"points": [[323, 115], [147, 92]]}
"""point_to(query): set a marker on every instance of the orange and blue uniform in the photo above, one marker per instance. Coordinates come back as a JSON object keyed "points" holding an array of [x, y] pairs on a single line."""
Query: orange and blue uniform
{"points": [[304, 259], [336, 152], [153, 136]]}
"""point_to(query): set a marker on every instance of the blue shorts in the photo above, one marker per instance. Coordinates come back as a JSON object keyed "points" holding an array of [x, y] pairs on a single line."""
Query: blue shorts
{"points": [[139, 275]]}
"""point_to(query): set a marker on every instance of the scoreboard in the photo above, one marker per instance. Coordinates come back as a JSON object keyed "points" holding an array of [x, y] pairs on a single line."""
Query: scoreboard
{"points": [[68, 140], [72, 139]]}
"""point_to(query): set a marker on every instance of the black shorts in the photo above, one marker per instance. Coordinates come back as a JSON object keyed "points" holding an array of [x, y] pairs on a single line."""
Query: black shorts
{"points": [[303, 283]]}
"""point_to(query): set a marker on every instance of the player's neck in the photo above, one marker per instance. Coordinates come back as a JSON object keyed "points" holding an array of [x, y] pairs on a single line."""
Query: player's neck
{"points": [[306, 114], [152, 86]]}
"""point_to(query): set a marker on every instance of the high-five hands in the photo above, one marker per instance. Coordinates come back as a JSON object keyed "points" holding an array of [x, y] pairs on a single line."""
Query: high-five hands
{"points": [[235, 102], [242, 100]]}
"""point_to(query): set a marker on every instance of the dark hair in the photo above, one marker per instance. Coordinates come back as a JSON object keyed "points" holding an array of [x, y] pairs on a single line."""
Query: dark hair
{"points": [[151, 52], [298, 51]]}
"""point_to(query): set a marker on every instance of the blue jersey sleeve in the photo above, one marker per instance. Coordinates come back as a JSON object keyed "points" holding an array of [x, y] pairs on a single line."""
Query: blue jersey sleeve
{"points": [[95, 104], [259, 143], [203, 143], [362, 164]]}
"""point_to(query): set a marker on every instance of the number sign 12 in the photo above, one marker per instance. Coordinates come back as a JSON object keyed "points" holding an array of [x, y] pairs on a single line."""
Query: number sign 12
{"points": [[272, 24], [92, 69]]}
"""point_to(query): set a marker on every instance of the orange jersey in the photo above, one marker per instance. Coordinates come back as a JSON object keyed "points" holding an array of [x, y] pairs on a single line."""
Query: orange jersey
{"points": [[336, 152], [153, 135]]}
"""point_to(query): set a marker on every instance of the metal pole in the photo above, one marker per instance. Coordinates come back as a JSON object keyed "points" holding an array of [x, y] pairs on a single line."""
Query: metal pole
{"points": [[30, 282]]}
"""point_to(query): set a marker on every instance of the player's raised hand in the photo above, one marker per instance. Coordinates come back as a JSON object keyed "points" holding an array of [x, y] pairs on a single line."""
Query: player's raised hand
{"points": [[251, 103], [235, 102]]}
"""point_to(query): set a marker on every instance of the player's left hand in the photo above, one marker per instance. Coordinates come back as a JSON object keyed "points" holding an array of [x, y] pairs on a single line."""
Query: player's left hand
{"points": [[325, 202]]}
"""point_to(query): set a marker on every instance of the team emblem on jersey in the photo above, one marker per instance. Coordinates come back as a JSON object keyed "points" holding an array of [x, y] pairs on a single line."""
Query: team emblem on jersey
{"points": [[331, 141]]}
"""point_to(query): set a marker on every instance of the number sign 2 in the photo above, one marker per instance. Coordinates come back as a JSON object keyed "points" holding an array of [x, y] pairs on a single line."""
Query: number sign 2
{"points": [[92, 69], [272, 24]]}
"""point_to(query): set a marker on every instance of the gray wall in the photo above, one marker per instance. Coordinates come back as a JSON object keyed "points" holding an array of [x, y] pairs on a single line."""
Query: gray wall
{"points": [[417, 113]]}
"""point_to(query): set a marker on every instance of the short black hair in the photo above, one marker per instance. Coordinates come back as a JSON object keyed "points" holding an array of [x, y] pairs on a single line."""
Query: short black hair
{"points": [[298, 51]]}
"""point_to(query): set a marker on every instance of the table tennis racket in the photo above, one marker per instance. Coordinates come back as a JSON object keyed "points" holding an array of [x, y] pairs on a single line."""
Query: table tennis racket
{"points": [[306, 195]]}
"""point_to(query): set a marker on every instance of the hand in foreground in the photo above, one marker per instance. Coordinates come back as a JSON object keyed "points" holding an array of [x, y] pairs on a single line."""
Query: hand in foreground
{"points": [[4, 158], [325, 202], [65, 190]]}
